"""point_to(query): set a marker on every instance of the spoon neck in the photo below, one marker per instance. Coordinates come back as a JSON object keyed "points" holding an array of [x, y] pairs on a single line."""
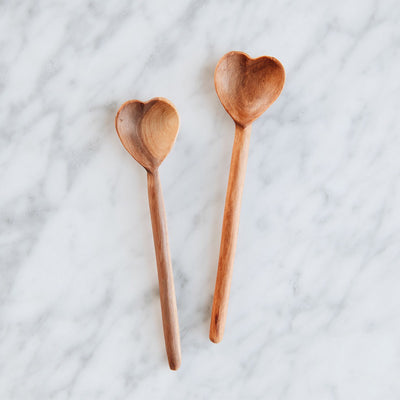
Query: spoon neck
{"points": [[242, 130], [152, 173]]}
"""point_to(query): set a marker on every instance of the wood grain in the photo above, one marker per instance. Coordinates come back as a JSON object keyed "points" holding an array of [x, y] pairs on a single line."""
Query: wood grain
{"points": [[148, 131], [246, 88], [230, 230], [164, 268]]}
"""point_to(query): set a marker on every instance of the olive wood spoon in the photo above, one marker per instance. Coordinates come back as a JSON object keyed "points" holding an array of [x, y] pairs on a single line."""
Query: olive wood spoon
{"points": [[246, 87], [148, 131]]}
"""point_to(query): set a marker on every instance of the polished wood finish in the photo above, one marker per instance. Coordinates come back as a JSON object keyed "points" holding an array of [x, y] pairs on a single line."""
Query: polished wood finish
{"points": [[246, 87], [148, 131]]}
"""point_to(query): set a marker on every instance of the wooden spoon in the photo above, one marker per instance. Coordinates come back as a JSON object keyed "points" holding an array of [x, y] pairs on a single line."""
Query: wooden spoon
{"points": [[148, 131], [246, 87]]}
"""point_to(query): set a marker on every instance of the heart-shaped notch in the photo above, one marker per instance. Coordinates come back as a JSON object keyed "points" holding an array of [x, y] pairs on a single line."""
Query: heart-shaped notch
{"points": [[247, 86], [148, 130]]}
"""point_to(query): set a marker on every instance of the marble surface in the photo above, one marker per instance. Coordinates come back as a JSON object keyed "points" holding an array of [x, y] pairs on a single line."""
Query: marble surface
{"points": [[315, 303]]}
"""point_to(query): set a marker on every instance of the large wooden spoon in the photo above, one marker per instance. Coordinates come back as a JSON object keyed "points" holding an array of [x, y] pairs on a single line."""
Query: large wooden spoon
{"points": [[148, 131], [246, 87]]}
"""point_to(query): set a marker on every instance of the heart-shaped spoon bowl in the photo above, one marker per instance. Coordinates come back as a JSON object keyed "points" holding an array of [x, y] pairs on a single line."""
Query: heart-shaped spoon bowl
{"points": [[148, 130], [247, 86]]}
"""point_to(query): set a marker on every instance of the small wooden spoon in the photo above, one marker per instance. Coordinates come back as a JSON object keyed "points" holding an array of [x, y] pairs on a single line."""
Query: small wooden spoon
{"points": [[246, 87], [148, 131]]}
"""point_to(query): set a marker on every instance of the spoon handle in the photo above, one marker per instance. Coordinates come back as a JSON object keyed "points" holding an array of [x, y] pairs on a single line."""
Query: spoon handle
{"points": [[164, 268], [230, 229]]}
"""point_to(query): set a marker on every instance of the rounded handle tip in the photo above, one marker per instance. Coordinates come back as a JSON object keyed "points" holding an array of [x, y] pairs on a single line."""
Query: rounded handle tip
{"points": [[216, 329], [215, 338], [174, 363]]}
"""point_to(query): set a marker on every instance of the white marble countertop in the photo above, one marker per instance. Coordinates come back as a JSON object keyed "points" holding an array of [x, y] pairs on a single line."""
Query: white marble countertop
{"points": [[315, 301]]}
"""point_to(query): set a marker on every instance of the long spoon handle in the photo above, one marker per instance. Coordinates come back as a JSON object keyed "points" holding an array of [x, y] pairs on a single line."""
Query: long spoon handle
{"points": [[230, 229], [164, 268]]}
